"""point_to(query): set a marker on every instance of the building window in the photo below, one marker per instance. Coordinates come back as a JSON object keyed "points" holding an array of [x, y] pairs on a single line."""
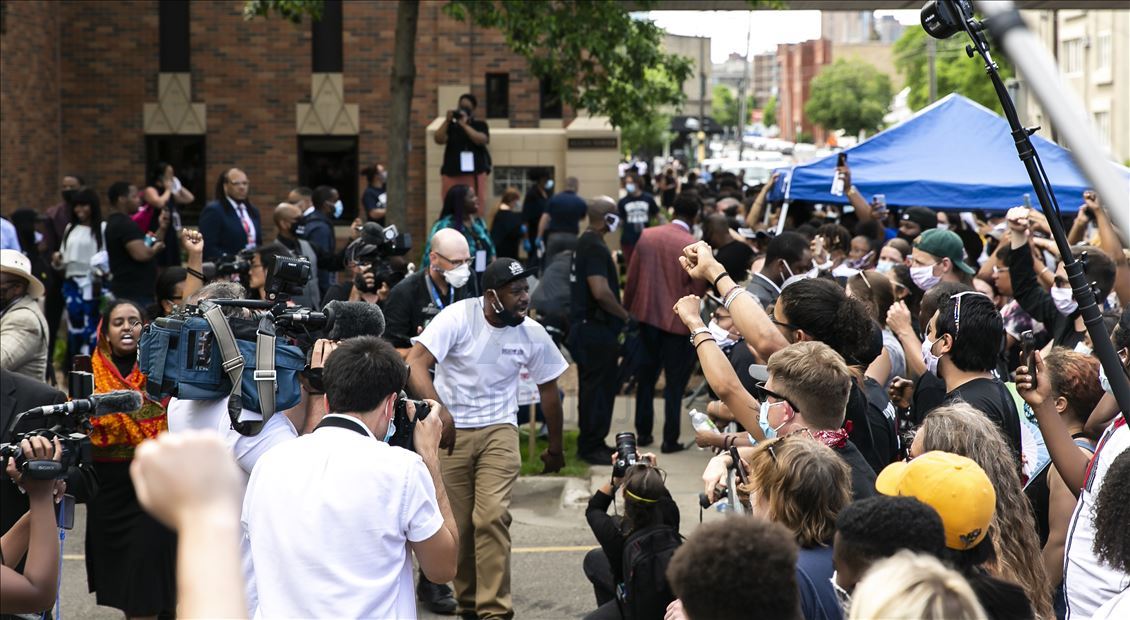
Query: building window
{"points": [[331, 160], [550, 100], [1102, 127], [325, 40], [1072, 56], [518, 177], [498, 95], [1103, 51], [186, 154], [173, 36]]}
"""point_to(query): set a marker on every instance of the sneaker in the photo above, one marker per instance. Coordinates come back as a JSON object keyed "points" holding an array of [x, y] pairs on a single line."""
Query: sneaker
{"points": [[668, 448], [436, 597]]}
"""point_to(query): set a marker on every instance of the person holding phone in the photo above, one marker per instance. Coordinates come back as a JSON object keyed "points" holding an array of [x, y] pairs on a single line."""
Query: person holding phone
{"points": [[647, 506]]}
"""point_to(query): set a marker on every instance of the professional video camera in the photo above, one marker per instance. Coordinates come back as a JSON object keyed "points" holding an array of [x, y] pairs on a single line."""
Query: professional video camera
{"points": [[238, 264], [373, 251], [405, 425]]}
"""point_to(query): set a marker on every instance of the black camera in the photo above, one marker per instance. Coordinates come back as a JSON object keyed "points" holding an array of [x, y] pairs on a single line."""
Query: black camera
{"points": [[373, 251], [457, 115], [942, 19], [288, 276], [402, 438], [626, 454], [76, 451], [238, 264]]}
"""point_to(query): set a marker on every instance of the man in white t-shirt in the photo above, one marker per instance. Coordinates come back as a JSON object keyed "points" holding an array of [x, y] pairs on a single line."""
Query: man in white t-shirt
{"points": [[332, 515], [478, 348]]}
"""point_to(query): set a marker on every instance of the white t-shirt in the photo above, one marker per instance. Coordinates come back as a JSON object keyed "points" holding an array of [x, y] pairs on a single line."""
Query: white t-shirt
{"points": [[329, 516], [478, 365], [213, 415], [1089, 582]]}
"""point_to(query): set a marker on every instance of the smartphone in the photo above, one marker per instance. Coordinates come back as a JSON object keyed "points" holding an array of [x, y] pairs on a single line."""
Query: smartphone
{"points": [[65, 512], [881, 201], [1028, 353], [842, 159]]}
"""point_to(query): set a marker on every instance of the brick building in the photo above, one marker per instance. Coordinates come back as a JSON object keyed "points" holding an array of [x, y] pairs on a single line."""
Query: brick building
{"points": [[104, 89], [798, 64]]}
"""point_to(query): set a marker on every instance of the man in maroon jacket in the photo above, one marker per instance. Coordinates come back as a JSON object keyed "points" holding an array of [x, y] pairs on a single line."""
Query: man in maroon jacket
{"points": [[655, 283]]}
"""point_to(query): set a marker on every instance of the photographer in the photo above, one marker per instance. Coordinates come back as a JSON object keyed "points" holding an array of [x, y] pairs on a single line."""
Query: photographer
{"points": [[648, 506], [287, 220], [259, 278], [418, 298], [34, 534], [481, 433], [466, 160], [332, 515]]}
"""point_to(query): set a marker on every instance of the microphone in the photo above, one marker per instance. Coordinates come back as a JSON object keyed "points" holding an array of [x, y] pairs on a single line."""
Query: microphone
{"points": [[97, 405], [348, 319]]}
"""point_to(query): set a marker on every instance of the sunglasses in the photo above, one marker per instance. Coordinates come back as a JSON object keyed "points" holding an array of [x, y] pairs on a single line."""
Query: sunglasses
{"points": [[761, 393], [774, 320], [957, 309]]}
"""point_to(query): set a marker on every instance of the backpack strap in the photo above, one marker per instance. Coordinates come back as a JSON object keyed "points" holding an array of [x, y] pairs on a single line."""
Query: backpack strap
{"points": [[265, 374], [232, 363]]}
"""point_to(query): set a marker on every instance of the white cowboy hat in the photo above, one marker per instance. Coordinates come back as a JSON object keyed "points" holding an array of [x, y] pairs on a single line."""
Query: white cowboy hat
{"points": [[15, 263]]}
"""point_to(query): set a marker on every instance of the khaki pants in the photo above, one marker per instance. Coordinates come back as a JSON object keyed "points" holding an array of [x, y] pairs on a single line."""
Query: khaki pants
{"points": [[479, 476]]}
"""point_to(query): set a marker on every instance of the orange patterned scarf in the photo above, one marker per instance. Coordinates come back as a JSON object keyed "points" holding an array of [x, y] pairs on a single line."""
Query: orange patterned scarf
{"points": [[115, 436]]}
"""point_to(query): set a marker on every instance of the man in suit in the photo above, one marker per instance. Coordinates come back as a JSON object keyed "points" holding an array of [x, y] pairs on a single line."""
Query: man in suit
{"points": [[230, 223], [655, 282], [23, 329], [18, 394]]}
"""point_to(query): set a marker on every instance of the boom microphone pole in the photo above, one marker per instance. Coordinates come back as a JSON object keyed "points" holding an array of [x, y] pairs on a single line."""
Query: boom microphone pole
{"points": [[944, 18]]}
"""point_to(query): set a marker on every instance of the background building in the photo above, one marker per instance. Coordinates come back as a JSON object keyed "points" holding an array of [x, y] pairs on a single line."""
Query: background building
{"points": [[697, 87], [797, 65], [105, 89], [1093, 52]]}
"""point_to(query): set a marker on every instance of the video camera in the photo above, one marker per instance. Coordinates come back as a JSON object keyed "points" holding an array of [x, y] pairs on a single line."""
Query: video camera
{"points": [[627, 454], [373, 249], [404, 425], [238, 264]]}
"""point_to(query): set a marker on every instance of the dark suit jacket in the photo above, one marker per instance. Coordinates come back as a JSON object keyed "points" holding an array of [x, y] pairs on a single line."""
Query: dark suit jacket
{"points": [[223, 231], [18, 394]]}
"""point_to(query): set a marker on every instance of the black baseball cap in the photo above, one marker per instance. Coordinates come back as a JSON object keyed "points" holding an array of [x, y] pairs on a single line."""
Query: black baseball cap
{"points": [[503, 271]]}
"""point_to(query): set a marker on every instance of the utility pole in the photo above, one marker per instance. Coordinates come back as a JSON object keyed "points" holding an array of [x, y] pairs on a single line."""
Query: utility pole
{"points": [[931, 56], [742, 92]]}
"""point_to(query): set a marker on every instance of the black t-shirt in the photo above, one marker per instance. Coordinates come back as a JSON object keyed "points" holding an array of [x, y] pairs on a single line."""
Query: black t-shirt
{"points": [[591, 258], [458, 142], [506, 233], [862, 475], [410, 307], [635, 213], [533, 205], [132, 279], [991, 397], [736, 257]]}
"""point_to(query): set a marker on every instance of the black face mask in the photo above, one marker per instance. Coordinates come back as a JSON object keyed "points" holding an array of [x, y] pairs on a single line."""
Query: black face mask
{"points": [[298, 228], [69, 195], [508, 318]]}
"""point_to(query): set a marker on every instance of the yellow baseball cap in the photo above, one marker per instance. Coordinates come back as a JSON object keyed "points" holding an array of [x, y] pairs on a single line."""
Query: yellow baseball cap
{"points": [[954, 486]]}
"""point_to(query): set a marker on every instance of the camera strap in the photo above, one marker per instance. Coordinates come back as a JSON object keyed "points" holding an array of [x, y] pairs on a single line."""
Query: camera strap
{"points": [[338, 422], [233, 365]]}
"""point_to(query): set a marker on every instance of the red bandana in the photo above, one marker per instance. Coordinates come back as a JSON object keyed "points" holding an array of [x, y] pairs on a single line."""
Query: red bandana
{"points": [[834, 439]]}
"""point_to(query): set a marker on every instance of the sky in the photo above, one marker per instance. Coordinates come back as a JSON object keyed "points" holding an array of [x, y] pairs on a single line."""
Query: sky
{"points": [[728, 29]]}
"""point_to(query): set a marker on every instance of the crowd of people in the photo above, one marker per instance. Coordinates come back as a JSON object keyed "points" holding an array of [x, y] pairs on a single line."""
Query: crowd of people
{"points": [[910, 395]]}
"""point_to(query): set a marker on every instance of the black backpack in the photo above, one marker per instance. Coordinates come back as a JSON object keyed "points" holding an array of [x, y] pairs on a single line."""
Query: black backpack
{"points": [[645, 593]]}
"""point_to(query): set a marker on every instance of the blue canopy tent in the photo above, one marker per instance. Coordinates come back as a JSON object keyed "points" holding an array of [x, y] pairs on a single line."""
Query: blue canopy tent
{"points": [[952, 155]]}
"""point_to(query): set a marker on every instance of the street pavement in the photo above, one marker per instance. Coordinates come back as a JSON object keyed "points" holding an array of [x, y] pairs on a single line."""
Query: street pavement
{"points": [[549, 536]]}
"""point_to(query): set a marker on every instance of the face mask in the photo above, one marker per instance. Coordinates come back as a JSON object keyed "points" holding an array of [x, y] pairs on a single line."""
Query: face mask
{"points": [[613, 221], [943, 226], [1104, 381], [883, 266], [1083, 348], [69, 195], [794, 278], [549, 184], [1064, 300], [338, 209], [763, 420], [720, 334], [390, 431], [508, 318], [928, 356], [843, 597], [630, 188], [458, 277], [924, 277]]}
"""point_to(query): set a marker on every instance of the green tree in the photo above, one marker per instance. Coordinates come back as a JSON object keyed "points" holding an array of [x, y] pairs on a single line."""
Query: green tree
{"points": [[727, 106], [955, 72], [769, 114], [598, 56], [849, 95]]}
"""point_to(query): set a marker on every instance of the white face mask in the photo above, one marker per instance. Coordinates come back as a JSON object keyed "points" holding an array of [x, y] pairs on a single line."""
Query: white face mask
{"points": [[458, 277], [1083, 348], [613, 221], [1064, 300], [720, 334], [339, 209], [630, 188], [943, 226], [884, 265], [794, 278], [924, 277], [928, 356]]}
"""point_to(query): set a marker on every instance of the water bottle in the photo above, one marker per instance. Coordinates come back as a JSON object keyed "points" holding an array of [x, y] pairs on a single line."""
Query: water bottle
{"points": [[701, 422]]}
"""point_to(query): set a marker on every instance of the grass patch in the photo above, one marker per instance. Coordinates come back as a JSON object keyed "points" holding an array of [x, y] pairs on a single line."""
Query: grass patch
{"points": [[574, 467]]}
